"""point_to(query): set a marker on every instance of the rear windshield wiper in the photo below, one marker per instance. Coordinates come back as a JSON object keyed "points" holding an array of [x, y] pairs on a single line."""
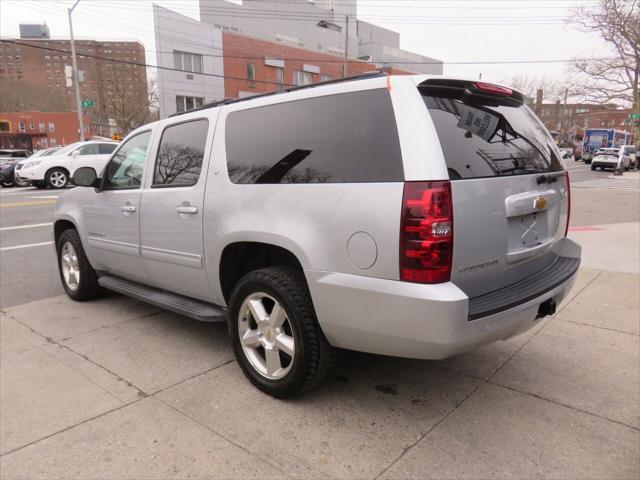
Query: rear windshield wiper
{"points": [[549, 177]]}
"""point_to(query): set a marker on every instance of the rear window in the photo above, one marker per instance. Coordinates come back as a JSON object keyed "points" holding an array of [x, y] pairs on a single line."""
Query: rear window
{"points": [[484, 137], [349, 137]]}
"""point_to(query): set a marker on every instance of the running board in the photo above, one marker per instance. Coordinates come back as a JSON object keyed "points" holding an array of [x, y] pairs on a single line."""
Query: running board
{"points": [[189, 307]]}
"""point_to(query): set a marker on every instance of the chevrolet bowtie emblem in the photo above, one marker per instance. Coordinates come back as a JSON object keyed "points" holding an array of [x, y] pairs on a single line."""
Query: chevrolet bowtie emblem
{"points": [[540, 203]]}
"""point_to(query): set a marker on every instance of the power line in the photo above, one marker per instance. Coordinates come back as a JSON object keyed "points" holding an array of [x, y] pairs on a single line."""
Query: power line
{"points": [[435, 62]]}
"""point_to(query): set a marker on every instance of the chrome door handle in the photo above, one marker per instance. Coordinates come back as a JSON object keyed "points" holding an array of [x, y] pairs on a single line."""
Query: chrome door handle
{"points": [[128, 208], [187, 210]]}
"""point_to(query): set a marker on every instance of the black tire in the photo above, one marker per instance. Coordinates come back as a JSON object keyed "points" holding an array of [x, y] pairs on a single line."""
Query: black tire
{"points": [[52, 175], [6, 184], [313, 357], [593, 167], [88, 287], [17, 182], [39, 185]]}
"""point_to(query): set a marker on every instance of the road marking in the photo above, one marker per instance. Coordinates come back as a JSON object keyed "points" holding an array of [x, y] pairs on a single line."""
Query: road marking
{"points": [[19, 227], [16, 247], [20, 192], [27, 204], [586, 229], [44, 196]]}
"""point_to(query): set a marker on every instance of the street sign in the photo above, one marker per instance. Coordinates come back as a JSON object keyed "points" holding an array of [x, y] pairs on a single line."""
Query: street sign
{"points": [[635, 116], [88, 103]]}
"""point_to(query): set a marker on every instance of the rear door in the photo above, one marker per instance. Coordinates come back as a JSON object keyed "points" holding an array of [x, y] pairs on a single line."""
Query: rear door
{"points": [[172, 209], [508, 186]]}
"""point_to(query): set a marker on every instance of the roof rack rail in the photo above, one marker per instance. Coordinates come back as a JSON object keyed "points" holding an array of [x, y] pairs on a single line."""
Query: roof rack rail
{"points": [[228, 101]]}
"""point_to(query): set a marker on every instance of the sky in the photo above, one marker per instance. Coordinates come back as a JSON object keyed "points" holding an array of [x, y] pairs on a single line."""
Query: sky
{"points": [[450, 30]]}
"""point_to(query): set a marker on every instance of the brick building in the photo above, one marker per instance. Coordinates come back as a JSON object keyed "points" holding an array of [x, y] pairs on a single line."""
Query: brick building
{"points": [[38, 130], [253, 66], [44, 65]]}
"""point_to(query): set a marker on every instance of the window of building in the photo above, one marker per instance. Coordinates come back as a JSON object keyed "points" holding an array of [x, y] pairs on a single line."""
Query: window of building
{"points": [[349, 137], [251, 75], [52, 127], [22, 127], [325, 78], [43, 141], [52, 141], [184, 104], [279, 75], [301, 78], [187, 62], [31, 126], [42, 128], [180, 154], [124, 170]]}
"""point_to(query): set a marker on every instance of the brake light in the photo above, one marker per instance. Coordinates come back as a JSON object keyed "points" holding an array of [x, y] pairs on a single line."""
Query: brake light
{"points": [[493, 89], [566, 230], [426, 232]]}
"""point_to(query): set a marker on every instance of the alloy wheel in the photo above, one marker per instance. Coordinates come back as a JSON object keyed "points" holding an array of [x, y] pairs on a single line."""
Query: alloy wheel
{"points": [[266, 335], [57, 179], [70, 266]]}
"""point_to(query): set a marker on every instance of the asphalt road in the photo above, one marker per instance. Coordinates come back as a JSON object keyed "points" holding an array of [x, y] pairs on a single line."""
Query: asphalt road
{"points": [[28, 268]]}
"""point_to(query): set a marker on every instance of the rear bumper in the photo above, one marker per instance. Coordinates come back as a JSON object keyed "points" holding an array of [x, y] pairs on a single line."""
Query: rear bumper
{"points": [[424, 321]]}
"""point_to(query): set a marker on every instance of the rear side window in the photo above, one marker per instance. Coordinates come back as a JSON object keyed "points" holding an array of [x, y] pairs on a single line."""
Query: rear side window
{"points": [[350, 137], [481, 137], [105, 148], [89, 149], [180, 154]]}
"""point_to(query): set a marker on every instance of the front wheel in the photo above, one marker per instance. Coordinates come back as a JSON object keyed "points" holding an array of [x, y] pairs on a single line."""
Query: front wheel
{"points": [[79, 279], [56, 178], [19, 182], [276, 337]]}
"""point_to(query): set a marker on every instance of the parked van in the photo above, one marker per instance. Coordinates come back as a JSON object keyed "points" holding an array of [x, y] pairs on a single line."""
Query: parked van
{"points": [[412, 216]]}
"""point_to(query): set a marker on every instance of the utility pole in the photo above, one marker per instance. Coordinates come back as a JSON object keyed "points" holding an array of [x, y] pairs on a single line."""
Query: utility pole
{"points": [[563, 117], [346, 47], [76, 83]]}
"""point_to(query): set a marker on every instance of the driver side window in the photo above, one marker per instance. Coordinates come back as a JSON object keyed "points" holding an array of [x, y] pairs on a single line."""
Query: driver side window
{"points": [[124, 170]]}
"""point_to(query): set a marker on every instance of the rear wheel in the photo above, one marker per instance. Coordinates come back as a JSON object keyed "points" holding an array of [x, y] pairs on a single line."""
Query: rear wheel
{"points": [[56, 178], [79, 279], [276, 337], [593, 167]]}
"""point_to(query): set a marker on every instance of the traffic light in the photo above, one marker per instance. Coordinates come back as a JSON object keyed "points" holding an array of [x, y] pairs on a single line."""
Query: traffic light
{"points": [[116, 136]]}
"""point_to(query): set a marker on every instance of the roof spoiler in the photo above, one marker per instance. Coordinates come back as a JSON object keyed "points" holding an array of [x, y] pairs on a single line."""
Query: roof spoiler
{"points": [[472, 91]]}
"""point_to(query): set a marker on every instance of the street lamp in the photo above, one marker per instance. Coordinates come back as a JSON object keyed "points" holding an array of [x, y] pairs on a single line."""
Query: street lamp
{"points": [[75, 73]]}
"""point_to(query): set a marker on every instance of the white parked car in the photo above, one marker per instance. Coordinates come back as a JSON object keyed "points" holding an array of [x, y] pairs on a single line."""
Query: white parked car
{"points": [[55, 171], [632, 153], [611, 158], [567, 154]]}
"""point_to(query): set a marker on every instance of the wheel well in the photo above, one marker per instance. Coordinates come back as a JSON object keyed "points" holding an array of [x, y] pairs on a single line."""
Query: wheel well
{"points": [[240, 258], [56, 168], [60, 226]]}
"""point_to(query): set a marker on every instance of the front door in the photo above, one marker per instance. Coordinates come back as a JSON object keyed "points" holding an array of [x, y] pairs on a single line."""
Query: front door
{"points": [[112, 219], [171, 224]]}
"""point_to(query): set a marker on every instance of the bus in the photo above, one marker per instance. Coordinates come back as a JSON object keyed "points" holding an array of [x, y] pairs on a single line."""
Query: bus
{"points": [[597, 138]]}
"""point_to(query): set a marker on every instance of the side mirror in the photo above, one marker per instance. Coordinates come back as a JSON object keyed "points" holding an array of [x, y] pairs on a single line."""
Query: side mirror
{"points": [[85, 177], [75, 153]]}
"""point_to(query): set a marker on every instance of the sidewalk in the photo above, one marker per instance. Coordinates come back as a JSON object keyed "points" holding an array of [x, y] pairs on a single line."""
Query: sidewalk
{"points": [[117, 389]]}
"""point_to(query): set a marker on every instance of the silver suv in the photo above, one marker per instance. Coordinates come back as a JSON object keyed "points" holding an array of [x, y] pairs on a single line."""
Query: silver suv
{"points": [[399, 215]]}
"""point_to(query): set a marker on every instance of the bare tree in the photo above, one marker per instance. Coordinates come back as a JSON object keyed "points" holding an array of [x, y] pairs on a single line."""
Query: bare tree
{"points": [[22, 97], [615, 79], [552, 90], [128, 102]]}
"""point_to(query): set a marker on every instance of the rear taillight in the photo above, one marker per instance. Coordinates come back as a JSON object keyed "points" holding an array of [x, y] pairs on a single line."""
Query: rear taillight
{"points": [[426, 232], [493, 89], [566, 229]]}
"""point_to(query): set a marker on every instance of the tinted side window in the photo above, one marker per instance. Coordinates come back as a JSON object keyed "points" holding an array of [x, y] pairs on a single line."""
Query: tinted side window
{"points": [[180, 154], [105, 148], [125, 168], [350, 137], [90, 149]]}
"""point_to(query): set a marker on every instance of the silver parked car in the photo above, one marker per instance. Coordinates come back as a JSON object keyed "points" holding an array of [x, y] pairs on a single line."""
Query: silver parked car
{"points": [[412, 216]]}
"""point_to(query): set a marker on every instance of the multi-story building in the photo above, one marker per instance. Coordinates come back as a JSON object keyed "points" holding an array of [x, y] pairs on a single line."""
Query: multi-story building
{"points": [[38, 130], [213, 63], [107, 81], [328, 26]]}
